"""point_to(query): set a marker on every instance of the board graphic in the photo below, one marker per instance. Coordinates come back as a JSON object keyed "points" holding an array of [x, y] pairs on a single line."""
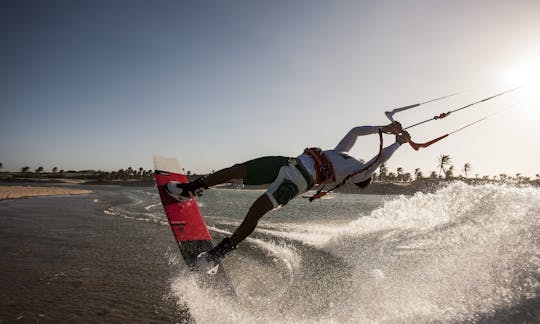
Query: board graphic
{"points": [[187, 223]]}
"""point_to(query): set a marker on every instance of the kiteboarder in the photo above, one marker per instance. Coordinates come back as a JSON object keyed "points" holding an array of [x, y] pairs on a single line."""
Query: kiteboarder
{"points": [[289, 177]]}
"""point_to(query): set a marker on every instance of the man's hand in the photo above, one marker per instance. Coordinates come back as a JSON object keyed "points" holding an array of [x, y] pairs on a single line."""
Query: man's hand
{"points": [[393, 128], [404, 137]]}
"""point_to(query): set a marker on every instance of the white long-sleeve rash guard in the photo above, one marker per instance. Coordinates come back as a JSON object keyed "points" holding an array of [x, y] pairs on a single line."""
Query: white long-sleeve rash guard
{"points": [[345, 165]]}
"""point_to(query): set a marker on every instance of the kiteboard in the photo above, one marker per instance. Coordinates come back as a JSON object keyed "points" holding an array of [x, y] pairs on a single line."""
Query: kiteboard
{"points": [[188, 225]]}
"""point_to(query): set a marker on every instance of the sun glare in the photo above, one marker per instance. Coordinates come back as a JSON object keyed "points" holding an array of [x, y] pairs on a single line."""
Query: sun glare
{"points": [[526, 75]]}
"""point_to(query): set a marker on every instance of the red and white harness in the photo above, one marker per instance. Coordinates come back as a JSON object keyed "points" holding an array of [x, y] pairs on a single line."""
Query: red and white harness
{"points": [[324, 169]]}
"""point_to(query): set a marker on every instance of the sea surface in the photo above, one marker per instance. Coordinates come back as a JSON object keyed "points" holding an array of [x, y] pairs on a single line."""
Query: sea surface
{"points": [[464, 254]]}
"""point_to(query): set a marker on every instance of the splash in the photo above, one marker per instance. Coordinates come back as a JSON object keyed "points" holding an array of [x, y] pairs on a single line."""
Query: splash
{"points": [[456, 255], [462, 254]]}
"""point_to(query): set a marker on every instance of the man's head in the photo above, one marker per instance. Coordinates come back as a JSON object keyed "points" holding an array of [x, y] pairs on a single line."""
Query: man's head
{"points": [[363, 184]]}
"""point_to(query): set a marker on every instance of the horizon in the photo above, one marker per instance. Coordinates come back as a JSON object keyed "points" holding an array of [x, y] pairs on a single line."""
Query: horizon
{"points": [[105, 85], [426, 174]]}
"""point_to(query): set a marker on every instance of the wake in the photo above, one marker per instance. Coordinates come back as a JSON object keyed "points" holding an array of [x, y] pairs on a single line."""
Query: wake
{"points": [[463, 253]]}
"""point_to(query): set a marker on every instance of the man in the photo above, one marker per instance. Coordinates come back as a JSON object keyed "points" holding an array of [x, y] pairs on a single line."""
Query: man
{"points": [[289, 177]]}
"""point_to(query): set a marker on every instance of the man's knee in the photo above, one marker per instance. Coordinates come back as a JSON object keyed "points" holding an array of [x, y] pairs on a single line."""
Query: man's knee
{"points": [[261, 206]]}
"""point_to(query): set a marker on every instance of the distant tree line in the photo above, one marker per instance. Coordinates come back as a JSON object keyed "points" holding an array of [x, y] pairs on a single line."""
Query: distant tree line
{"points": [[126, 174], [121, 174], [446, 171], [444, 166]]}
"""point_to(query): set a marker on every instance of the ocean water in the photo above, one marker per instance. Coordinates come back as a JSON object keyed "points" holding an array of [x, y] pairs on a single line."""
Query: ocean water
{"points": [[462, 254]]}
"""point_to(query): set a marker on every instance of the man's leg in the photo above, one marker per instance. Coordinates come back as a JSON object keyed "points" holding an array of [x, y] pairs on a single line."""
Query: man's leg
{"points": [[237, 171], [260, 207], [258, 171], [285, 187], [184, 191], [281, 191]]}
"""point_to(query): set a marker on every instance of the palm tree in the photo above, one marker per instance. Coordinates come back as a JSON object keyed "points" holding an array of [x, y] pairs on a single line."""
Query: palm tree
{"points": [[1, 165], [407, 177], [466, 168], [443, 161], [433, 175], [383, 171], [54, 170], [24, 169], [399, 172], [449, 174], [39, 169]]}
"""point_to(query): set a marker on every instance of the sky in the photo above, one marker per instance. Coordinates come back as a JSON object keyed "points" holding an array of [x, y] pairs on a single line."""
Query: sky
{"points": [[106, 84]]}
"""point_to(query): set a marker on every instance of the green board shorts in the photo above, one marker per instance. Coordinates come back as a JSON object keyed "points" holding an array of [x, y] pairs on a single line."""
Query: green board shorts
{"points": [[264, 170], [282, 172]]}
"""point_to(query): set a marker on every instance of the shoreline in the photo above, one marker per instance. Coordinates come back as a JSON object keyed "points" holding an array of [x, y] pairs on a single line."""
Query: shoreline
{"points": [[16, 192], [60, 186]]}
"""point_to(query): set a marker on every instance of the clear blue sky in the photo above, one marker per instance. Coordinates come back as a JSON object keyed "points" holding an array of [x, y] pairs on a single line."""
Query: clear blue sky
{"points": [[105, 84]]}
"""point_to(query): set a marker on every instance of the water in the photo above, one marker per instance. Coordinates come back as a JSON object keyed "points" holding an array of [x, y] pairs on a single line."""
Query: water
{"points": [[463, 254]]}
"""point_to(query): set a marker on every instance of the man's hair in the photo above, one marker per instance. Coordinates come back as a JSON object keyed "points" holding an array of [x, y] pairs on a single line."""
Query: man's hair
{"points": [[363, 184]]}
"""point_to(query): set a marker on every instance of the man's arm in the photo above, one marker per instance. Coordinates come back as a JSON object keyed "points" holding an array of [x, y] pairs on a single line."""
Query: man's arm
{"points": [[386, 153], [347, 143]]}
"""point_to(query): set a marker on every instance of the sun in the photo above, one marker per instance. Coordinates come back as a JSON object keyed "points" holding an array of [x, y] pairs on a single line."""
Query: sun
{"points": [[527, 76], [524, 74]]}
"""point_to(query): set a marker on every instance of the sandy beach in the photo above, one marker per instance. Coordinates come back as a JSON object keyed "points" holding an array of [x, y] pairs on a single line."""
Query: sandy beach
{"points": [[13, 192]]}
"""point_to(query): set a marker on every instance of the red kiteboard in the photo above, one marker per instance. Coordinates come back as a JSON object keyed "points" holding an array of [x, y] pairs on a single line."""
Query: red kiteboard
{"points": [[186, 221]]}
